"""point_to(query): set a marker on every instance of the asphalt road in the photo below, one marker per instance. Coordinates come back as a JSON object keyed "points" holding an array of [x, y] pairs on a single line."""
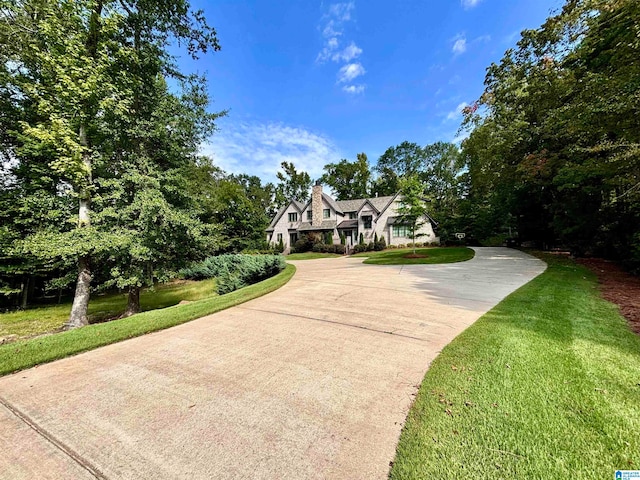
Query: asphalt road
{"points": [[311, 381]]}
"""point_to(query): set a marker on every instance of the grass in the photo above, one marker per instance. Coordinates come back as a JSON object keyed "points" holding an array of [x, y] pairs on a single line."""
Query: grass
{"points": [[430, 256], [545, 385], [28, 353], [39, 320], [311, 256]]}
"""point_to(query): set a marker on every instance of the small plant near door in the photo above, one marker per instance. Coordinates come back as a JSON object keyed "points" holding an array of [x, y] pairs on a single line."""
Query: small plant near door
{"points": [[343, 239]]}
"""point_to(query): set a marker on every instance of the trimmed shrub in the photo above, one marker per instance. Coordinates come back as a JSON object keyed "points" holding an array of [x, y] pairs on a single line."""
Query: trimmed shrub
{"points": [[234, 271], [361, 239], [359, 248], [343, 239], [371, 247], [380, 244], [324, 248]]}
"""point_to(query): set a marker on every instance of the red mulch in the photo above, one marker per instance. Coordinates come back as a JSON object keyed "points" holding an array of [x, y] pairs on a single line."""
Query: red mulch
{"points": [[414, 255], [618, 287]]}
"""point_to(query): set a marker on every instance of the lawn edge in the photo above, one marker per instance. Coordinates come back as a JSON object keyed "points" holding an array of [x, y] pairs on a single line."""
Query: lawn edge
{"points": [[24, 354]]}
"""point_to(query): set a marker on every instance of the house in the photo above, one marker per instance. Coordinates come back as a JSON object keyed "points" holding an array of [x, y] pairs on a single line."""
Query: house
{"points": [[369, 216]]}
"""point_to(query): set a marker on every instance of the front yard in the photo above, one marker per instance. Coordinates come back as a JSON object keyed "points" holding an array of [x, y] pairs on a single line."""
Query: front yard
{"points": [[545, 385], [429, 255]]}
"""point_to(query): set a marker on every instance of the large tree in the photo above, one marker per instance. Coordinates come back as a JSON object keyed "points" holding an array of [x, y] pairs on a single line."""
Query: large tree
{"points": [[292, 185], [555, 143], [349, 180], [90, 73]]}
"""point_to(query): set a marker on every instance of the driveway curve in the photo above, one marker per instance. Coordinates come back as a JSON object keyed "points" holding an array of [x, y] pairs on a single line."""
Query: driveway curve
{"points": [[311, 381]]}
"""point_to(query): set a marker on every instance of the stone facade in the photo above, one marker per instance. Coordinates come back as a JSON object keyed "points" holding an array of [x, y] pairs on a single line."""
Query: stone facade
{"points": [[370, 217]]}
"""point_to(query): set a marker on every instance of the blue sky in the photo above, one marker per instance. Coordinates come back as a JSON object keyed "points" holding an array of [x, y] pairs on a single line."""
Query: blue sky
{"points": [[313, 82]]}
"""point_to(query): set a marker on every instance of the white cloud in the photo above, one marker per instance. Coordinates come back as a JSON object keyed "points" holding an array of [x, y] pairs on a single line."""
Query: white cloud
{"points": [[259, 149], [467, 4], [350, 71], [460, 45], [354, 89], [457, 113], [349, 53], [342, 11]]}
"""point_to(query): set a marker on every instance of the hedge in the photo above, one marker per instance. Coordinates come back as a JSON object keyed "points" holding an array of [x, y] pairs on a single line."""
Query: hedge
{"points": [[234, 271]]}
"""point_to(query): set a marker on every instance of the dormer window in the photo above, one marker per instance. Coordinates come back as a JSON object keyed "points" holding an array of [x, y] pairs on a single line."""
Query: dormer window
{"points": [[353, 215], [293, 217], [326, 213]]}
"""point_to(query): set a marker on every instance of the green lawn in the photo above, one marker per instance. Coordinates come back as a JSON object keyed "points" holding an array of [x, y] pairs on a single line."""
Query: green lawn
{"points": [[28, 353], [311, 256], [431, 255], [545, 385], [35, 321]]}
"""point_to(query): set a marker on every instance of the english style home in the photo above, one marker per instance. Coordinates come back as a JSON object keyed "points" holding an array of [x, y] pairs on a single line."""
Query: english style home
{"points": [[369, 216]]}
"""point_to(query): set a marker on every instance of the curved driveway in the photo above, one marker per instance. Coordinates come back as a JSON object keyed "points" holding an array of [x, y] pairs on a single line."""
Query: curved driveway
{"points": [[311, 381]]}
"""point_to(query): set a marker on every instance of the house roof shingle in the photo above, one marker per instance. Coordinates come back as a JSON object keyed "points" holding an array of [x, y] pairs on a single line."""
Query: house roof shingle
{"points": [[326, 225]]}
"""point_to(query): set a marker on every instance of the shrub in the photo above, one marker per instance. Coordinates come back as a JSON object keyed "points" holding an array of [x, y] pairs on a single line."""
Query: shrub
{"points": [[359, 248], [370, 247], [280, 246], [234, 271], [402, 245], [324, 248], [328, 238], [361, 239], [380, 244], [343, 239], [305, 243]]}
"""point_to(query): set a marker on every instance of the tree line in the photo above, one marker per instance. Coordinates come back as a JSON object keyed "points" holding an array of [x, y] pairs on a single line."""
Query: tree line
{"points": [[102, 184]]}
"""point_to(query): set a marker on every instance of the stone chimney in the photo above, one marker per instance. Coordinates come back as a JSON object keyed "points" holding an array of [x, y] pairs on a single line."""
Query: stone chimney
{"points": [[316, 205]]}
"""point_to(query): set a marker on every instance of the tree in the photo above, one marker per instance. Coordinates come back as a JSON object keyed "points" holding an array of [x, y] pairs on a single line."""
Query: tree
{"points": [[349, 180], [397, 163], [293, 185], [412, 211], [554, 145], [90, 65]]}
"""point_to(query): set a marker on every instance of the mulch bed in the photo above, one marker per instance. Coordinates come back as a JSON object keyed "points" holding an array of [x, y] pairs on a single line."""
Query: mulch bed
{"points": [[618, 287], [414, 255]]}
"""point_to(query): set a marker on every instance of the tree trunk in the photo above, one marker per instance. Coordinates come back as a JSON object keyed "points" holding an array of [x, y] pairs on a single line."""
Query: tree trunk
{"points": [[78, 316], [133, 302], [24, 298]]}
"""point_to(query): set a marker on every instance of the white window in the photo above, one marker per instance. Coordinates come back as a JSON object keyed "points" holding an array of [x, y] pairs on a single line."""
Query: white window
{"points": [[366, 220], [326, 213], [309, 215], [401, 231], [279, 237], [293, 217]]}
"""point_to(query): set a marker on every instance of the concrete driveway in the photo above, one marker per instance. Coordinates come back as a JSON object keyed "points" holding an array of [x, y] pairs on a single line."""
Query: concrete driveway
{"points": [[311, 381]]}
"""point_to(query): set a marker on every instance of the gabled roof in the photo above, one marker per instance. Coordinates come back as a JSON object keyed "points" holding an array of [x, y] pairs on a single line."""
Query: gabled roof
{"points": [[332, 203], [378, 203], [298, 205]]}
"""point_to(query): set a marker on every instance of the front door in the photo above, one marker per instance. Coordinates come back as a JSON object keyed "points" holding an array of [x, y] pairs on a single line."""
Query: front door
{"points": [[293, 238], [349, 236]]}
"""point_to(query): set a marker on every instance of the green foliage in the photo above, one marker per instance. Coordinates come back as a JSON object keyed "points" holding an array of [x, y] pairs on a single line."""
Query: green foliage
{"points": [[234, 271], [293, 185], [413, 208], [380, 244], [361, 239], [349, 180], [343, 239], [306, 242], [328, 238], [28, 353], [328, 248], [554, 150]]}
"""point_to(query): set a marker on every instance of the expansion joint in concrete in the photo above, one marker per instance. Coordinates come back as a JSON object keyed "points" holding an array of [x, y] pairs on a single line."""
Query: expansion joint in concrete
{"points": [[65, 449]]}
